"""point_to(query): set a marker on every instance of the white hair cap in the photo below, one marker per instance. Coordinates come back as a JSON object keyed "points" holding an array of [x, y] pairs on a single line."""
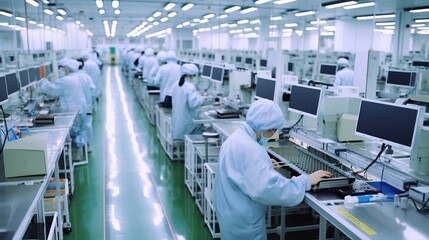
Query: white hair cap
{"points": [[171, 56], [342, 62], [189, 69], [264, 115], [148, 52], [69, 63]]}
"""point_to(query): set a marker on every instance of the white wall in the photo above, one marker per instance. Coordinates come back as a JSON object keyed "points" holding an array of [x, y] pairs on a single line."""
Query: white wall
{"points": [[352, 35], [7, 41], [214, 40]]}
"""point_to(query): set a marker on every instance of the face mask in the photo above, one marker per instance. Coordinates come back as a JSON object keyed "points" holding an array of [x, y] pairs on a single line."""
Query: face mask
{"points": [[263, 140], [61, 73]]}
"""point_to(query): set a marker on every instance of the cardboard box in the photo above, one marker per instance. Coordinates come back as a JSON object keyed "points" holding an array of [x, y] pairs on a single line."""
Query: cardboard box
{"points": [[26, 156]]}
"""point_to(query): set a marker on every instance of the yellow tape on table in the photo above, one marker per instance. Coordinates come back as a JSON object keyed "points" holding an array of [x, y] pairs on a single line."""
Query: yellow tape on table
{"points": [[357, 222]]}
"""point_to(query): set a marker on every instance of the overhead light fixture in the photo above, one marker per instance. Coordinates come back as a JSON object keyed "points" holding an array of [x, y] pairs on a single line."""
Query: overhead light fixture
{"points": [[179, 26], [421, 20], [256, 21], [389, 27], [337, 4], [101, 11], [205, 20], [291, 25], [329, 28], [156, 14], [32, 22], [47, 27], [232, 25], [208, 16], [422, 28], [262, 1], [311, 28], [315, 22], [223, 16], [272, 26], [41, 25], [20, 19], [232, 9], [256, 28], [169, 6], [82, 25], [305, 13], [248, 29], [117, 11], [54, 29], [215, 27], [248, 10], [59, 17], [287, 30], [78, 22], [164, 19], [187, 23], [32, 3], [277, 18], [244, 21], [62, 11], [370, 17], [418, 25], [224, 25], [327, 34], [172, 14], [115, 3], [6, 13], [99, 3], [150, 19], [187, 6], [424, 32], [4, 24], [418, 10], [155, 23], [385, 23], [196, 20], [48, 11], [279, 2], [360, 5]]}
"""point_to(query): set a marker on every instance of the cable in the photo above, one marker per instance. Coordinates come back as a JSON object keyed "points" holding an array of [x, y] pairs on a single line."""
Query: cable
{"points": [[383, 147], [415, 205], [381, 180], [5, 125]]}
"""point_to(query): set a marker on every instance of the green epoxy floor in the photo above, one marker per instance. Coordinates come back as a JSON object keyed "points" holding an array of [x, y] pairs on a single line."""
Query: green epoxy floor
{"points": [[130, 189]]}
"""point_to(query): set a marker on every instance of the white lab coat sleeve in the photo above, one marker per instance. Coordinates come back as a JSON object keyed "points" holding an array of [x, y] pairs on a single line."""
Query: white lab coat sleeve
{"points": [[194, 100], [265, 185], [158, 77], [337, 79], [54, 88]]}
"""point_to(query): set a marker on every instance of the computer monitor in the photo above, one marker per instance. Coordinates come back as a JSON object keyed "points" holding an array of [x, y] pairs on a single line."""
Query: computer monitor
{"points": [[207, 71], [305, 100], [223, 57], [217, 74], [24, 77], [51, 68], [238, 59], [32, 74], [263, 63], [12, 83], [421, 64], [248, 60], [290, 66], [391, 123], [265, 88], [328, 69], [204, 55], [37, 73], [3, 90], [401, 78]]}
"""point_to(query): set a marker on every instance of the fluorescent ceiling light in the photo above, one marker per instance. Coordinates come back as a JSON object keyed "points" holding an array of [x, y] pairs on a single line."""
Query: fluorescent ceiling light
{"points": [[82, 25], [196, 20], [327, 33], [248, 10], [99, 3], [169, 6], [47, 27], [155, 23], [419, 10], [291, 25], [101, 11], [315, 22], [115, 3], [385, 23], [389, 27], [232, 9], [422, 28], [422, 20], [6, 13], [186, 23], [48, 11], [179, 26], [360, 5], [370, 17], [59, 17], [208, 16], [337, 4], [205, 20], [244, 21], [232, 31], [117, 11], [283, 1], [79, 22], [238, 31], [54, 29], [164, 19], [32, 22], [262, 1], [277, 18], [287, 30], [187, 6], [329, 28], [232, 25], [150, 19], [272, 26], [20, 19], [224, 25], [311, 28], [215, 27], [256, 21], [32, 3], [424, 32], [172, 14], [256, 28], [157, 14], [62, 11], [4, 24], [418, 25], [247, 29], [305, 13], [40, 25], [223, 16]]}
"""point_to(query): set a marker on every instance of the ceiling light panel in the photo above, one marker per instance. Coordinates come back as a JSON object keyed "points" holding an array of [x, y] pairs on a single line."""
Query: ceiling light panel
{"points": [[360, 5], [279, 2], [187, 6], [248, 10], [232, 9], [338, 4]]}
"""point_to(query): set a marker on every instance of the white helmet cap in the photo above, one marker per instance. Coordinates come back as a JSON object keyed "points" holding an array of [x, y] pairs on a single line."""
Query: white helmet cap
{"points": [[161, 56], [148, 52], [189, 69], [171, 56], [69, 63], [342, 62]]}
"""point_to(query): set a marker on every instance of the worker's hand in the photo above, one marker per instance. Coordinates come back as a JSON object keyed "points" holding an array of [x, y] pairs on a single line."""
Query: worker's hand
{"points": [[276, 165], [317, 176]]}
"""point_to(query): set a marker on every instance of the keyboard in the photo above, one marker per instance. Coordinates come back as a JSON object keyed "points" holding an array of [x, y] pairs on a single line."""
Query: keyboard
{"points": [[305, 162]]}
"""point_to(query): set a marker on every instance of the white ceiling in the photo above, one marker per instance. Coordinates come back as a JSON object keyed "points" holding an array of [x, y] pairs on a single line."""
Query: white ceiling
{"points": [[133, 12]]}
